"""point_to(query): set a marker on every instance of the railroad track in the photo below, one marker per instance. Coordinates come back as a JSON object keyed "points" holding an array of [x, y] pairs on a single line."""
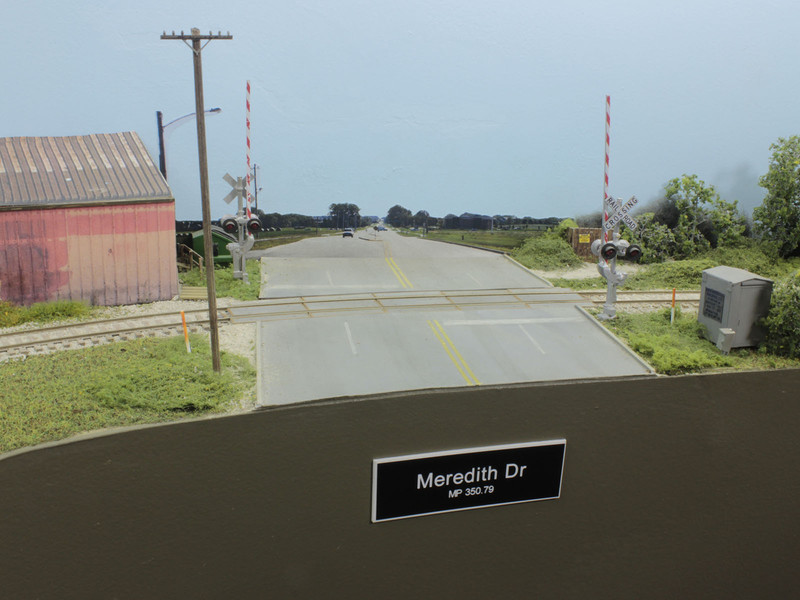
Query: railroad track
{"points": [[643, 296], [43, 340]]}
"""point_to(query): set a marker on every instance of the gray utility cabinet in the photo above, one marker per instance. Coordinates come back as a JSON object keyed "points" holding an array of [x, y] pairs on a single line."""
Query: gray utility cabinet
{"points": [[731, 303]]}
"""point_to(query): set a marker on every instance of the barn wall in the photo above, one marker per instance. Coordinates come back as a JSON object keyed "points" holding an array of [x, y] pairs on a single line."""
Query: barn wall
{"points": [[105, 255]]}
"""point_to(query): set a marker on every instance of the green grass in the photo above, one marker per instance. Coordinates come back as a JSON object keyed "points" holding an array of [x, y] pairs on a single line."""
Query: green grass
{"points": [[687, 274], [224, 282], [43, 312], [494, 240], [270, 239], [681, 348], [52, 397]]}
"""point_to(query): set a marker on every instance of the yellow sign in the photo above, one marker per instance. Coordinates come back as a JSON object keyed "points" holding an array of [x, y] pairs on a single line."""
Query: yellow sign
{"points": [[584, 238]]}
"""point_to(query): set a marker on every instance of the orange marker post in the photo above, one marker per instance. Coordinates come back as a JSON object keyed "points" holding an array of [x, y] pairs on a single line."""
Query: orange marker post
{"points": [[672, 312], [186, 334]]}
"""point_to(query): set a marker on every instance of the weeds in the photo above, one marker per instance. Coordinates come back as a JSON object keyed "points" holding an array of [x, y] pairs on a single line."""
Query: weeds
{"points": [[681, 347], [126, 383], [43, 312], [225, 284]]}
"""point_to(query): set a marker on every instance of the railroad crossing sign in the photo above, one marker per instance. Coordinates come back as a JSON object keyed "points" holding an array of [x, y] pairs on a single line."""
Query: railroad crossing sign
{"points": [[621, 213], [239, 188]]}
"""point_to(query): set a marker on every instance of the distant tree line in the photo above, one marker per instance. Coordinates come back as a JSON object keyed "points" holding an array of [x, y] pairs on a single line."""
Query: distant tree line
{"points": [[399, 216]]}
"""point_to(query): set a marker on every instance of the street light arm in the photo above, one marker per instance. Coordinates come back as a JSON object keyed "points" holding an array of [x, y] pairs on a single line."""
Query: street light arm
{"points": [[162, 159], [210, 110]]}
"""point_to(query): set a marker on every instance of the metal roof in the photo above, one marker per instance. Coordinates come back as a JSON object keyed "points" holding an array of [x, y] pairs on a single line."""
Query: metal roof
{"points": [[36, 172], [734, 275]]}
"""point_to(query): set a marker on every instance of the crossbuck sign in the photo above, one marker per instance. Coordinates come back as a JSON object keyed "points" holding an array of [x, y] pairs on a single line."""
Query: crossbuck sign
{"points": [[621, 213]]}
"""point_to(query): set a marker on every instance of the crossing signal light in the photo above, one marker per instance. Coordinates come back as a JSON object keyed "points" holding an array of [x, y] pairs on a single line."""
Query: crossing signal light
{"points": [[608, 251], [634, 252], [253, 225], [229, 225]]}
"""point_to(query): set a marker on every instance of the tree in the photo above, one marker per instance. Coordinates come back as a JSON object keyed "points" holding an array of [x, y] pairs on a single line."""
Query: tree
{"points": [[421, 218], [398, 216], [344, 215], [656, 239], [777, 220], [704, 219]]}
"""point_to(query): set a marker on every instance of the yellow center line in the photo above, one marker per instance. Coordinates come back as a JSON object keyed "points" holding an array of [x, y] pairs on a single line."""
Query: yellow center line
{"points": [[400, 273], [401, 277], [396, 274], [453, 353]]}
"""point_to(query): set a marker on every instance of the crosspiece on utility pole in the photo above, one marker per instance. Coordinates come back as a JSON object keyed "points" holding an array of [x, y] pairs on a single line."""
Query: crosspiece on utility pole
{"points": [[196, 35]]}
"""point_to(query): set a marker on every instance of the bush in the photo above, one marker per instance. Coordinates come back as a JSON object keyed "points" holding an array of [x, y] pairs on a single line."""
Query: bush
{"points": [[562, 229], [546, 252], [782, 324], [10, 314]]}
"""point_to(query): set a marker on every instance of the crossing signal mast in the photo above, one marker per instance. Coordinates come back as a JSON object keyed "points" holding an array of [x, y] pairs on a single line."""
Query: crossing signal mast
{"points": [[244, 225], [610, 247]]}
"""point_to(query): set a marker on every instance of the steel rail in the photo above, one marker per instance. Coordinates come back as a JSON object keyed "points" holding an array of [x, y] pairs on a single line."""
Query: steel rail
{"points": [[120, 328]]}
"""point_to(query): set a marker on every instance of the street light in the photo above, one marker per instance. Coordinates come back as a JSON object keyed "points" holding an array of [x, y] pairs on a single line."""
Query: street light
{"points": [[162, 158]]}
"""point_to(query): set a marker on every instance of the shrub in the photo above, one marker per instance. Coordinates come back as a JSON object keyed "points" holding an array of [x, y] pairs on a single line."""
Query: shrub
{"points": [[10, 314], [546, 252], [562, 229], [782, 324]]}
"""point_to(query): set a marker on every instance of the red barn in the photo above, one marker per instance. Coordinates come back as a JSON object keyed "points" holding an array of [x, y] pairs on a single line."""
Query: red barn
{"points": [[84, 218]]}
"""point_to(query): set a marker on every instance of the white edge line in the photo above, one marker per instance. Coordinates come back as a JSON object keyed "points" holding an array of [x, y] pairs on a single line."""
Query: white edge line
{"points": [[350, 339], [531, 338], [624, 346], [521, 266]]}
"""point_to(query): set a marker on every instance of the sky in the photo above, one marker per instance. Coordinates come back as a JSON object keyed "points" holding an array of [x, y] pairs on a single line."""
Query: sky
{"points": [[449, 106]]}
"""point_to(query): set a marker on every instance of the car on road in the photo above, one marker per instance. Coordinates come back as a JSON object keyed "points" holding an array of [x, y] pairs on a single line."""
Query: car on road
{"points": [[347, 233]]}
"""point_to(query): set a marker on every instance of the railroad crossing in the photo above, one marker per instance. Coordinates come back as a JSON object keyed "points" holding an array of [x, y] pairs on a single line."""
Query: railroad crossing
{"points": [[408, 314]]}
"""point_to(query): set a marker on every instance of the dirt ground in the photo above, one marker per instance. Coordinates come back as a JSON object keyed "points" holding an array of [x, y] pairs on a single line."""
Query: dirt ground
{"points": [[585, 271]]}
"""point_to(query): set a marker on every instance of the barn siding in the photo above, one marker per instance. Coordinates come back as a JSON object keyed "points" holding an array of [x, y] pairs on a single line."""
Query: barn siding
{"points": [[105, 255]]}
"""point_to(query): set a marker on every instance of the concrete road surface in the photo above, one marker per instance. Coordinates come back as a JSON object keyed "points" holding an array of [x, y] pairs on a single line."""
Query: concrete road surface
{"points": [[417, 344]]}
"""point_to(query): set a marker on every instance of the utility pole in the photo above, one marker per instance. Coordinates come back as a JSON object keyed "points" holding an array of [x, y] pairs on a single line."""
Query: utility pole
{"points": [[196, 37]]}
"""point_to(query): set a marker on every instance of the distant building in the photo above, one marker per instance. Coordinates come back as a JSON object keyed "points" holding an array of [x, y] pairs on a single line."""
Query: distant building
{"points": [[450, 221], [84, 218], [471, 221]]}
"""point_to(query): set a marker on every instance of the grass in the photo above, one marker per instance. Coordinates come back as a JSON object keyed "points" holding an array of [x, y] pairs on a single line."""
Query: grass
{"points": [[494, 240], [126, 383], [681, 348], [270, 239], [43, 312], [225, 284]]}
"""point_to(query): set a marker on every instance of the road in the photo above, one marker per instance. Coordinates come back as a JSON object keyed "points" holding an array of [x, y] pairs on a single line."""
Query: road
{"points": [[383, 313]]}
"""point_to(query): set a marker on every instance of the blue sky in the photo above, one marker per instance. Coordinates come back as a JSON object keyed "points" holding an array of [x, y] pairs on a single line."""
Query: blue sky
{"points": [[493, 107]]}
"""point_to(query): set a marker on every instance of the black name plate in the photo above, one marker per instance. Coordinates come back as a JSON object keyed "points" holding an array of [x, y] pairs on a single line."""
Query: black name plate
{"points": [[437, 482]]}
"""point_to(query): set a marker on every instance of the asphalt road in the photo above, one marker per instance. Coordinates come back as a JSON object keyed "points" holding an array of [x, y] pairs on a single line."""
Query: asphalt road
{"points": [[417, 344]]}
